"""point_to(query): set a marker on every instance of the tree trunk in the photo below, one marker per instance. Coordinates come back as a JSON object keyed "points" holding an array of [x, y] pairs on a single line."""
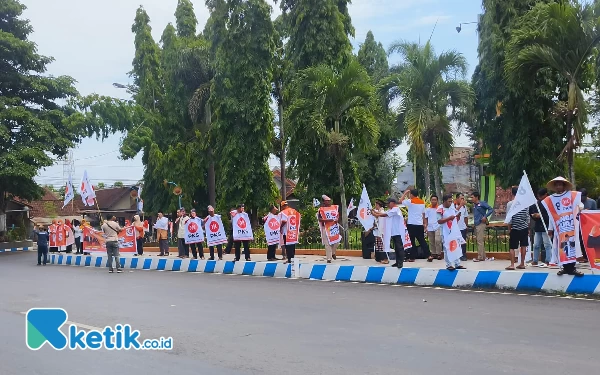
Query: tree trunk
{"points": [[3, 205], [345, 229], [212, 179], [282, 160], [436, 173], [570, 149], [427, 172]]}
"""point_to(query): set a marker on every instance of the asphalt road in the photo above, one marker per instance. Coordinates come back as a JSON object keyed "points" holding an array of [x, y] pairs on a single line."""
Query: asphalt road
{"points": [[224, 324]]}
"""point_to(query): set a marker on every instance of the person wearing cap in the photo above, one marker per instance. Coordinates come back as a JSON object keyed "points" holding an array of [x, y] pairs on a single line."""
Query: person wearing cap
{"points": [[42, 244], [397, 223], [563, 211], [199, 246], [184, 249], [416, 223], [272, 249], [211, 213], [111, 231], [238, 244], [329, 248]]}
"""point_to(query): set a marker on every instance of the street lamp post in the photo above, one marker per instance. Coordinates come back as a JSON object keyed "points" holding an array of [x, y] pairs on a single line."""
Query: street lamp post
{"points": [[459, 27]]}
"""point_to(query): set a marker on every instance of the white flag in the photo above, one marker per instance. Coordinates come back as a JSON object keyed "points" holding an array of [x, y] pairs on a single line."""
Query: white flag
{"points": [[524, 199], [351, 206], [364, 210], [69, 193], [316, 202], [140, 192], [453, 243], [87, 190]]}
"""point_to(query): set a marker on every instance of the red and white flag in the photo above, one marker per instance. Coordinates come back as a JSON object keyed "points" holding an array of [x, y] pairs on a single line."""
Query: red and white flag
{"points": [[69, 193], [87, 190]]}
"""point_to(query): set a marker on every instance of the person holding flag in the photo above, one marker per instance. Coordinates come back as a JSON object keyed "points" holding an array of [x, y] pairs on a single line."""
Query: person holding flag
{"points": [[452, 238], [518, 223], [563, 209], [397, 229]]}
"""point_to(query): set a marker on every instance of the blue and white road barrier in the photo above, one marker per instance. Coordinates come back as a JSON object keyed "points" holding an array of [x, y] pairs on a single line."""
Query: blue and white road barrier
{"points": [[512, 280]]}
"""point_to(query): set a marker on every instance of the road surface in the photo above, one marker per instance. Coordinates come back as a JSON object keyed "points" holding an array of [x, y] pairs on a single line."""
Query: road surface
{"points": [[225, 324]]}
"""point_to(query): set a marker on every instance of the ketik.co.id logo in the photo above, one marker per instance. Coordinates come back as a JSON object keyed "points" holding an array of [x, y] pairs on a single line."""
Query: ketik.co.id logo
{"points": [[43, 325]]}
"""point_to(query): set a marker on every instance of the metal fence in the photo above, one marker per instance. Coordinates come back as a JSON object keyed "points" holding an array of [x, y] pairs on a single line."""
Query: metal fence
{"points": [[496, 240]]}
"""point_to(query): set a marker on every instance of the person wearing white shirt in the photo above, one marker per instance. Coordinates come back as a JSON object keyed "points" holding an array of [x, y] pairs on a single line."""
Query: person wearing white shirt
{"points": [[162, 234], [416, 223], [460, 207], [184, 249], [78, 236], [446, 215], [434, 230], [396, 222]]}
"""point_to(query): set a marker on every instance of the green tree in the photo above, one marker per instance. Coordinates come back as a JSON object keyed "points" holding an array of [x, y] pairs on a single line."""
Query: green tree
{"points": [[587, 170], [35, 122], [561, 37], [244, 40], [335, 109], [101, 185], [514, 125], [118, 184], [377, 165], [429, 87], [186, 19]]}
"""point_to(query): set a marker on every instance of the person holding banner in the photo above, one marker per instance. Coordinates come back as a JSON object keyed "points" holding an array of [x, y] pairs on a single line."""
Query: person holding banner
{"points": [[215, 233], [182, 246], [290, 230], [138, 226], [111, 231], [563, 209], [380, 254], [272, 232], [162, 234], [330, 229], [448, 218], [194, 236], [397, 229], [242, 232]]}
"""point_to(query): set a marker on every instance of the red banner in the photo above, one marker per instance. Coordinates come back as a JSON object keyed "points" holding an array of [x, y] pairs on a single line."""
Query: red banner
{"points": [[93, 240], [590, 233]]}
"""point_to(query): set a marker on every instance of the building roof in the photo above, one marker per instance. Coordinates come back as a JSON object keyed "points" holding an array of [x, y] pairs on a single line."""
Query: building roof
{"points": [[289, 184], [51, 205], [460, 156], [108, 198]]}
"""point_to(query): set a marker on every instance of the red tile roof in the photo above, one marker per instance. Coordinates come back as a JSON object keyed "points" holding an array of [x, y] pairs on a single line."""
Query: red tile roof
{"points": [[52, 205], [289, 184], [107, 198]]}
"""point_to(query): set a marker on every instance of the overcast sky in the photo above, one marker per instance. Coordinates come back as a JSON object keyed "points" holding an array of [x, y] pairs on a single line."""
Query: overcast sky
{"points": [[92, 41]]}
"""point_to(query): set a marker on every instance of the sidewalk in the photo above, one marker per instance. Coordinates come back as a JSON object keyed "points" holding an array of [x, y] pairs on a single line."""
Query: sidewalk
{"points": [[482, 275]]}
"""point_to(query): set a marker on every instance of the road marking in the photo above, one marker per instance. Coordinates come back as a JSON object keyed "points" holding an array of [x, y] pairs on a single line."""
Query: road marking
{"points": [[80, 325]]}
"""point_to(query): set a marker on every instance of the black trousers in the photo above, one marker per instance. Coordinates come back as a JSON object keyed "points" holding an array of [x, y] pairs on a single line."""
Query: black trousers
{"points": [[42, 250], [219, 252], [569, 268], [464, 246], [229, 244], [271, 249], [140, 245], [200, 248], [184, 248], [583, 251], [238, 245], [417, 232], [290, 252], [399, 250], [78, 245]]}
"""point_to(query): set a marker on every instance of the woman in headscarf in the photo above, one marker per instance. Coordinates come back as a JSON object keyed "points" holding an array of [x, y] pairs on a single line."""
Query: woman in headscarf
{"points": [[138, 225], [69, 235]]}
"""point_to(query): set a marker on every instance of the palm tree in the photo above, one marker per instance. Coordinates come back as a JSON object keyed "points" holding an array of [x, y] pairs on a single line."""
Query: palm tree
{"points": [[562, 37], [427, 84], [335, 108]]}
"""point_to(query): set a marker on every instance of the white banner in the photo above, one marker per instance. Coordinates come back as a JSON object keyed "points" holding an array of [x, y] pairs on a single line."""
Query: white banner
{"points": [[351, 207], [272, 228], [215, 231], [69, 193], [524, 199], [242, 230], [193, 231], [453, 243], [364, 210]]}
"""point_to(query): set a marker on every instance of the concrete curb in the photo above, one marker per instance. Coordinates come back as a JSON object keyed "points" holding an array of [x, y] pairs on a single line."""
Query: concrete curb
{"points": [[513, 280], [15, 249]]}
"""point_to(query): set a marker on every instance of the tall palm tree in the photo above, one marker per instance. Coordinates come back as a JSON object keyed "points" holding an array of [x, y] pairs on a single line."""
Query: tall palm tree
{"points": [[428, 86], [563, 37], [335, 108]]}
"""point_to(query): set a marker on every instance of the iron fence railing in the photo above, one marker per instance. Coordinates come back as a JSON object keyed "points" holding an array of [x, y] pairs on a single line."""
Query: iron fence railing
{"points": [[496, 240]]}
